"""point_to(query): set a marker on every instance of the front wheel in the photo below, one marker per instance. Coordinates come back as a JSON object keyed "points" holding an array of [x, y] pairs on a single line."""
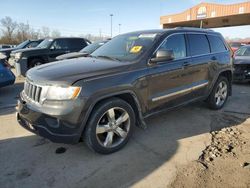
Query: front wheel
{"points": [[109, 126], [219, 94]]}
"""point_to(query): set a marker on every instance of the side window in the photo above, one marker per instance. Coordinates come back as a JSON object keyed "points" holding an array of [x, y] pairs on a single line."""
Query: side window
{"points": [[60, 44], [216, 44], [177, 44], [198, 44], [76, 43], [32, 44]]}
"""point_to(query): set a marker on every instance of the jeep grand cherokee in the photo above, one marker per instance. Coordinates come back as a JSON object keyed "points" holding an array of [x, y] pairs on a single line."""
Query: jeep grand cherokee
{"points": [[101, 98]]}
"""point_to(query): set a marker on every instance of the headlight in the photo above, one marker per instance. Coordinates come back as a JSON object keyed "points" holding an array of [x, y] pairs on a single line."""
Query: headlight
{"points": [[18, 55], [62, 93]]}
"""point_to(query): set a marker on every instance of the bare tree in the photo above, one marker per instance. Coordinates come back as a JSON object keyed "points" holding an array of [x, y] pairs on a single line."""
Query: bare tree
{"points": [[55, 33], [8, 27], [45, 32]]}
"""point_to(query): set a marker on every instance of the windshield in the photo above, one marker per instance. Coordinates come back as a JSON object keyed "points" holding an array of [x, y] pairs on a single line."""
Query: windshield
{"points": [[243, 51], [23, 44], [45, 43], [126, 47], [92, 47]]}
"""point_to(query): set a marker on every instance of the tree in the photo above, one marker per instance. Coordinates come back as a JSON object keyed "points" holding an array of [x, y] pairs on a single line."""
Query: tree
{"points": [[55, 33], [8, 27]]}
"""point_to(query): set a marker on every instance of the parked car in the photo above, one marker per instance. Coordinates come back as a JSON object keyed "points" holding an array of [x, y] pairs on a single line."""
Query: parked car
{"points": [[4, 46], [83, 52], [46, 52], [235, 46], [242, 64], [6, 76], [25, 44], [102, 97]]}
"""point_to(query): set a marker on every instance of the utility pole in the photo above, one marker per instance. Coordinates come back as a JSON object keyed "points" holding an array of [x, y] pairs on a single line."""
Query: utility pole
{"points": [[120, 28], [111, 24]]}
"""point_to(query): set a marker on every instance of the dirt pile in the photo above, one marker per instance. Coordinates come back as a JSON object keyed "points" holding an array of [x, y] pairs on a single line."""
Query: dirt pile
{"points": [[223, 142], [224, 163]]}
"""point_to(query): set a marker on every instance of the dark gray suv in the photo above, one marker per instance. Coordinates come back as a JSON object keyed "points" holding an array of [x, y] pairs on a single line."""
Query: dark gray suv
{"points": [[102, 97]]}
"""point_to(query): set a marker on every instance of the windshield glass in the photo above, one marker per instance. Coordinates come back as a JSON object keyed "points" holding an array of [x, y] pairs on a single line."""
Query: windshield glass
{"points": [[23, 44], [92, 47], [126, 47], [45, 43], [243, 51]]}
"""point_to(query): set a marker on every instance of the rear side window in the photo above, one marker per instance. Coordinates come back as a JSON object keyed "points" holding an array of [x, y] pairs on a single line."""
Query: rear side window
{"points": [[76, 43], [216, 44], [198, 44], [177, 44]]}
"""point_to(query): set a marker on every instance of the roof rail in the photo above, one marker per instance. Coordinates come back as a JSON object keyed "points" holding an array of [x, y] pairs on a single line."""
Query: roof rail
{"points": [[194, 28]]}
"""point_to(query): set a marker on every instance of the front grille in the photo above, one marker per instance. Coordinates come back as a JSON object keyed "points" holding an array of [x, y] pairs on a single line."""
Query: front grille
{"points": [[32, 91]]}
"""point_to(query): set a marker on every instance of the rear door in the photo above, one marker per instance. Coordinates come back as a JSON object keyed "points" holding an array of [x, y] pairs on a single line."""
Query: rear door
{"points": [[199, 50]]}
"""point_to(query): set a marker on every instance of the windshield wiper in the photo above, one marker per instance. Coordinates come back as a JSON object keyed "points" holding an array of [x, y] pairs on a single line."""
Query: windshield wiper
{"points": [[108, 57]]}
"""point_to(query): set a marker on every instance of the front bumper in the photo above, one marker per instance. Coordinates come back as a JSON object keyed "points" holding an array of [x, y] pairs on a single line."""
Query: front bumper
{"points": [[53, 128], [241, 73]]}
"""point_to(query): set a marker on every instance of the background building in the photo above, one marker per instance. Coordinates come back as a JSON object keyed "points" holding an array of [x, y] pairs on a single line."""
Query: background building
{"points": [[210, 15]]}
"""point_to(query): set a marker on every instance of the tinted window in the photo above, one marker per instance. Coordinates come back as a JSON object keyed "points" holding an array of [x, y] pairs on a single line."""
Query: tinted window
{"points": [[177, 44], [198, 44], [216, 44], [243, 51], [76, 43], [60, 44]]}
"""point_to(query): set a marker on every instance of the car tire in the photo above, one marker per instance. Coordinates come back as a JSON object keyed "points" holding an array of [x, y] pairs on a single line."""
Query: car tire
{"points": [[35, 62], [219, 94], [110, 126]]}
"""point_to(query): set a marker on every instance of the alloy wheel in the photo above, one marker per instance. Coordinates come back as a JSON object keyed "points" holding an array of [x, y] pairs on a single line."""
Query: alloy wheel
{"points": [[221, 93], [113, 127]]}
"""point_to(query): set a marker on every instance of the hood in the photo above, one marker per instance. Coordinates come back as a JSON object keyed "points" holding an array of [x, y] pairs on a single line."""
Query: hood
{"points": [[241, 60], [69, 71], [30, 50], [7, 50], [71, 55]]}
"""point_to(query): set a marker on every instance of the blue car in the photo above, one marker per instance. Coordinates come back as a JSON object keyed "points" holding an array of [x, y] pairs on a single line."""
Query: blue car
{"points": [[6, 76]]}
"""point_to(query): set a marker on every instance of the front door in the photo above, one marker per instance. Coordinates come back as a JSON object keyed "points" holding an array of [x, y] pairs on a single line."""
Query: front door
{"points": [[171, 82]]}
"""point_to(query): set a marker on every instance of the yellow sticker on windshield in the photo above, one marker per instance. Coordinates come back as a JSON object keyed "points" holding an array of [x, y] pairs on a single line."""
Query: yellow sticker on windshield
{"points": [[135, 49]]}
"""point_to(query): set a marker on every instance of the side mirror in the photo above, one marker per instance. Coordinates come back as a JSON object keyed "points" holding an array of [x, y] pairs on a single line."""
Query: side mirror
{"points": [[163, 55]]}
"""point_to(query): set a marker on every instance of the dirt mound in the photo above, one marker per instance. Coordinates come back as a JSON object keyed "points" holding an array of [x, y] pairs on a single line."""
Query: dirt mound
{"points": [[224, 163]]}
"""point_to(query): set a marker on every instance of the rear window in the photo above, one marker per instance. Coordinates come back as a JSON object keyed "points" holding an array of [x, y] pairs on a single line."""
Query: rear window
{"points": [[198, 44], [216, 44], [76, 43]]}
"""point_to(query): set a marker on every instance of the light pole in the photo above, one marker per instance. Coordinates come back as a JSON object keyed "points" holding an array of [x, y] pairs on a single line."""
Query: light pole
{"points": [[111, 24], [120, 28]]}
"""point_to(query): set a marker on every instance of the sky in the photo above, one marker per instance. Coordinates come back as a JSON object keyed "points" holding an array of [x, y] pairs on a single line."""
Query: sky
{"points": [[79, 17]]}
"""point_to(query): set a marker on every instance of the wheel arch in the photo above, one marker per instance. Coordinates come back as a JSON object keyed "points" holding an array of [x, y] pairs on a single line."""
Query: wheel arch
{"points": [[36, 57], [128, 96], [229, 75]]}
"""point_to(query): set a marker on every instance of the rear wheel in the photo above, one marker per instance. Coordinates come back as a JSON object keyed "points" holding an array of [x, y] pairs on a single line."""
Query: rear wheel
{"points": [[110, 126], [219, 94]]}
